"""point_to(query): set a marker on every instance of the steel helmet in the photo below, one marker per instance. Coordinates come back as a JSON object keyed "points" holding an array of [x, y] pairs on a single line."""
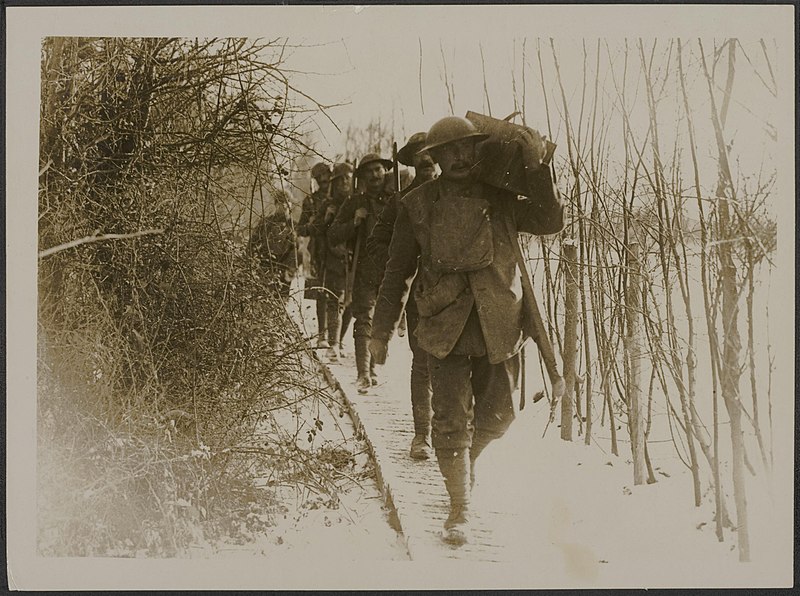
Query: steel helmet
{"points": [[319, 169], [341, 169], [406, 155], [449, 129], [372, 157]]}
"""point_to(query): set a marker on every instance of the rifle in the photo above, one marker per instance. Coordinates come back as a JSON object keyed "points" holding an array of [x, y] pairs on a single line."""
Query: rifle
{"points": [[401, 327], [396, 168], [322, 250], [536, 329], [350, 270]]}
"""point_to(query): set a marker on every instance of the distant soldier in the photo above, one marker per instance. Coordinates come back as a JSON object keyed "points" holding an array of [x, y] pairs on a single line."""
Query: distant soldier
{"points": [[353, 225], [470, 296], [273, 243], [321, 173], [378, 248], [332, 264]]}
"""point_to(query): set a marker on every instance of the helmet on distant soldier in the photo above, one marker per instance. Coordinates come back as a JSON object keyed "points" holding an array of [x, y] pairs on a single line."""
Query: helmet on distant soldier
{"points": [[450, 129], [320, 169], [406, 154], [341, 169], [371, 158]]}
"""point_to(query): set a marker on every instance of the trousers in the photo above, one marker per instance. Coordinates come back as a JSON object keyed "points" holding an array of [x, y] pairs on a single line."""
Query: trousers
{"points": [[420, 378], [471, 396], [337, 316], [365, 296]]}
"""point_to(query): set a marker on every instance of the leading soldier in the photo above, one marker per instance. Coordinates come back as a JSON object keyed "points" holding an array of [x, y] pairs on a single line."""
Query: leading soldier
{"points": [[469, 296], [353, 225]]}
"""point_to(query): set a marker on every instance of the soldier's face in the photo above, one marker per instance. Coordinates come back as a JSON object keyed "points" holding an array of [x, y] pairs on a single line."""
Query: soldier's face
{"points": [[323, 180], [373, 175], [423, 166], [342, 186], [456, 159]]}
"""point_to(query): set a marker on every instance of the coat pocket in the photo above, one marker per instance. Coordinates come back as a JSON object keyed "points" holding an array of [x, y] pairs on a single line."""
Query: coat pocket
{"points": [[461, 235], [431, 301]]}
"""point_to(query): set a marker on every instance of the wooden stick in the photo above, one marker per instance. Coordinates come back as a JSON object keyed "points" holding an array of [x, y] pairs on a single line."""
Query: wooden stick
{"points": [[96, 238]]}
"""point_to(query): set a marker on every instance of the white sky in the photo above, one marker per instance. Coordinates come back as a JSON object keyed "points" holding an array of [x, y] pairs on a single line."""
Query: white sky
{"points": [[371, 60]]}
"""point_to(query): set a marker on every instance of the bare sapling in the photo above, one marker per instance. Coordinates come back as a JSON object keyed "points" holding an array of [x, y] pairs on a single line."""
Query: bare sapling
{"points": [[635, 355], [730, 370], [568, 357]]}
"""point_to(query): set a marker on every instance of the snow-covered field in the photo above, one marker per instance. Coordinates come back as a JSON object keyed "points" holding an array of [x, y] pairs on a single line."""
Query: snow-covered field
{"points": [[580, 521]]}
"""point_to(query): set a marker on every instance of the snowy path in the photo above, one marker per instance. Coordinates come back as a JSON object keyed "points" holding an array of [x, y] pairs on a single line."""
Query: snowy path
{"points": [[562, 514]]}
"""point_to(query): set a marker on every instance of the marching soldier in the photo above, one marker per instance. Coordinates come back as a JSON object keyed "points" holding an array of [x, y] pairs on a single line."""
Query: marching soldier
{"points": [[273, 243], [333, 259], [353, 225], [378, 248], [470, 294], [316, 246]]}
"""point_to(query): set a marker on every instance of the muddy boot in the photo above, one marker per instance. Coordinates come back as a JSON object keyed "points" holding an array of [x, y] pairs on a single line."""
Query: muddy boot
{"points": [[363, 383], [454, 466], [332, 354], [421, 447]]}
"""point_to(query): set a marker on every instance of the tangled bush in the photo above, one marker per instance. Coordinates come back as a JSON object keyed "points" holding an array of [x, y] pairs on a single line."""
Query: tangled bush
{"points": [[161, 350]]}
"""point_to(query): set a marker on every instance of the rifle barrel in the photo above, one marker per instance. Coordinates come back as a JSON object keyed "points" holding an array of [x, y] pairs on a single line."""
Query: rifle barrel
{"points": [[396, 167]]}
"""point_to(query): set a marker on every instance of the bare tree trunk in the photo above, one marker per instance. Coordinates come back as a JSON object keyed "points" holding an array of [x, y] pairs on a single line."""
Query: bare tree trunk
{"points": [[587, 370], [752, 362], [569, 258], [666, 240], [691, 360], [485, 86], [636, 410], [730, 307]]}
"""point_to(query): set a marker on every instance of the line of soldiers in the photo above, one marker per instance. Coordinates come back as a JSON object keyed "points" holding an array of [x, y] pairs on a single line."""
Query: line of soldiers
{"points": [[446, 251]]}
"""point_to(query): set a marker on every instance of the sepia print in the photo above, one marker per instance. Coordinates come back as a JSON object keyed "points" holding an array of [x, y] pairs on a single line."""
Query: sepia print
{"points": [[400, 297]]}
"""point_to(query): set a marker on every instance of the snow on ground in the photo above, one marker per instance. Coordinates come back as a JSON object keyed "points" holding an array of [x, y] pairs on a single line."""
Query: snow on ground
{"points": [[580, 516], [579, 519], [357, 530]]}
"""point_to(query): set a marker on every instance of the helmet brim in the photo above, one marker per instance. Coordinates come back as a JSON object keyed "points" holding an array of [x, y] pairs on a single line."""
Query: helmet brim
{"points": [[406, 155], [477, 137], [385, 162]]}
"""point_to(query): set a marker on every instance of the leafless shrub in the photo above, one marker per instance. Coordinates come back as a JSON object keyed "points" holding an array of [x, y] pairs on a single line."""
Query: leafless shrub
{"points": [[160, 356]]}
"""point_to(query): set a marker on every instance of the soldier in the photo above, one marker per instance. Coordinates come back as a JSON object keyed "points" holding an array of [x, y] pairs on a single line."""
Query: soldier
{"points": [[469, 295], [321, 173], [333, 260], [353, 225], [274, 243], [378, 248]]}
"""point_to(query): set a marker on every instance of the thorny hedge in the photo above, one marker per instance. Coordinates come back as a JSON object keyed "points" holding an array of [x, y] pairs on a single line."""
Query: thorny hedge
{"points": [[163, 357]]}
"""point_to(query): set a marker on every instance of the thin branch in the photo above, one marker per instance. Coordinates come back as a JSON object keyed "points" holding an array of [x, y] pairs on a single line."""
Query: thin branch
{"points": [[96, 238], [421, 103]]}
